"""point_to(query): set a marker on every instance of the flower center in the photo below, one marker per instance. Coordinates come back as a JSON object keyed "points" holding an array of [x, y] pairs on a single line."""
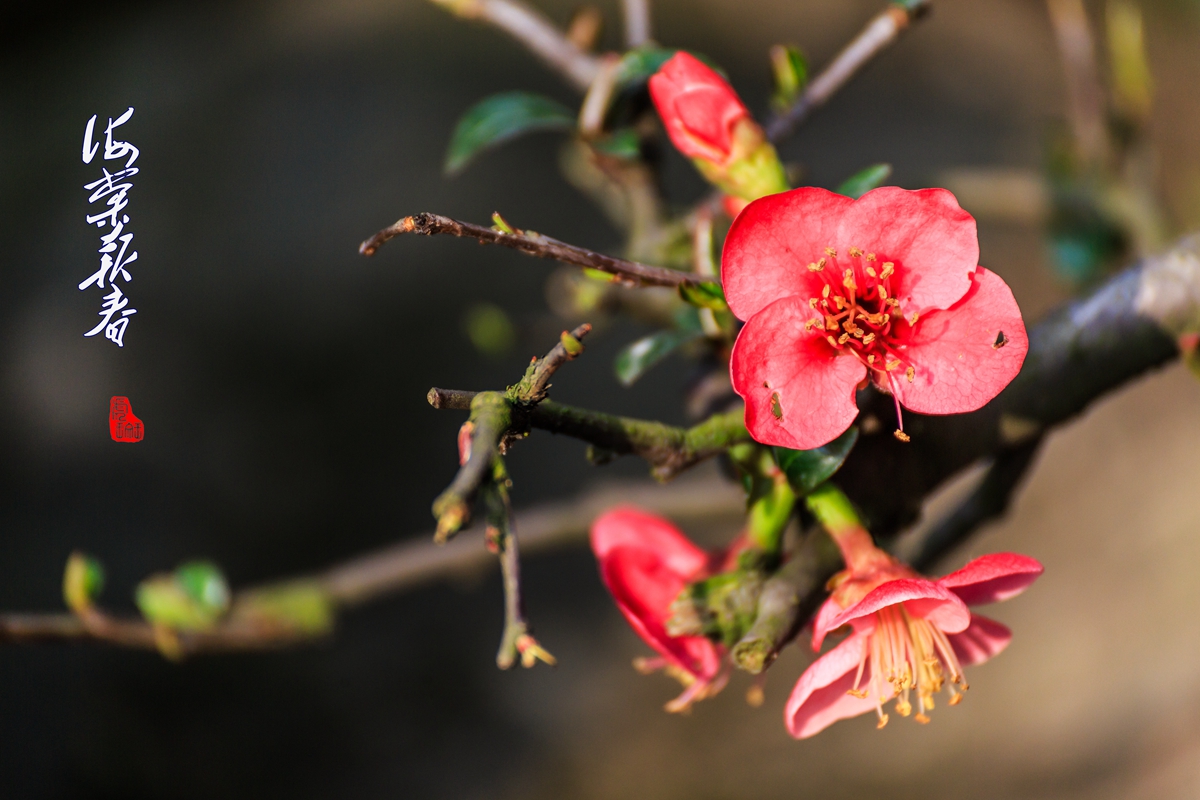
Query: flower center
{"points": [[908, 655], [861, 317]]}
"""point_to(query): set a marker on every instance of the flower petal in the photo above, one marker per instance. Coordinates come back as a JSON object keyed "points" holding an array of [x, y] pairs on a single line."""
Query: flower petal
{"points": [[643, 586], [820, 626], [964, 356], [771, 243], [697, 106], [819, 698], [992, 578], [626, 526], [921, 597], [983, 639], [799, 393], [926, 233]]}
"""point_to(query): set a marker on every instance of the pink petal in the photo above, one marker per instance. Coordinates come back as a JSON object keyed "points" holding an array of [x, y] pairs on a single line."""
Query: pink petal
{"points": [[992, 578], [983, 639], [922, 598], [771, 243], [774, 357], [819, 698], [930, 238], [958, 366], [697, 106], [644, 586], [828, 611], [627, 526]]}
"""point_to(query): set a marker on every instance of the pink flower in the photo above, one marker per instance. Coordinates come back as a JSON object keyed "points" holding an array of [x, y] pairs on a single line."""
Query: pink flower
{"points": [[646, 562], [835, 290], [910, 635], [699, 109]]}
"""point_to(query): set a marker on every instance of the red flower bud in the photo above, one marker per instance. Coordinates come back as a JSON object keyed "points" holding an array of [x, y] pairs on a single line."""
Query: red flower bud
{"points": [[699, 109]]}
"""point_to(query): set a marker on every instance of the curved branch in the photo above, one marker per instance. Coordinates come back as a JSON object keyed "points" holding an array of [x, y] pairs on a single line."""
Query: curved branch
{"points": [[630, 273], [533, 30], [884, 29]]}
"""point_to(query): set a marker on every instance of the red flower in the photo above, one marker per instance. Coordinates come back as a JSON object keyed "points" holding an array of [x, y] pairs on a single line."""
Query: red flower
{"points": [[910, 635], [646, 562], [699, 109], [834, 290]]}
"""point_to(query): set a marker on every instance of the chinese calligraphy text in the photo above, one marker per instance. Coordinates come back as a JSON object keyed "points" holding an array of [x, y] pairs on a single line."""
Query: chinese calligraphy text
{"points": [[116, 253]]}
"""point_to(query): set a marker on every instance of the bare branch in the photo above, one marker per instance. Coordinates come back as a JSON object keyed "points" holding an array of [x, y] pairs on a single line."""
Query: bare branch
{"points": [[535, 244], [880, 32], [533, 30], [394, 569], [532, 388], [1085, 93], [637, 22]]}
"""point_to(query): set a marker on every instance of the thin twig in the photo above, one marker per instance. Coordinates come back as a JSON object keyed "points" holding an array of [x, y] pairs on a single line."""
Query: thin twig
{"points": [[395, 569], [535, 244], [637, 22], [532, 389], [532, 29], [490, 422], [667, 448], [880, 32]]}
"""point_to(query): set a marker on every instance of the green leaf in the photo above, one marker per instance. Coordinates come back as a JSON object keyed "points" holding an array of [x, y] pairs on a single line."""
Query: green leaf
{"points": [[193, 597], [704, 295], [204, 583], [638, 357], [791, 74], [502, 117], [862, 182], [301, 606], [808, 469]]}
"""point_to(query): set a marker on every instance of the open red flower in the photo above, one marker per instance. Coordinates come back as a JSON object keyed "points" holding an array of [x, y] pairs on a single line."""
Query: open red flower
{"points": [[698, 107], [911, 636], [835, 290], [646, 562]]}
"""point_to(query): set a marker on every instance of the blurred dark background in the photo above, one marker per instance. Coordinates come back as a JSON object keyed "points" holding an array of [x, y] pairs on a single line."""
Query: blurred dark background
{"points": [[281, 378]]}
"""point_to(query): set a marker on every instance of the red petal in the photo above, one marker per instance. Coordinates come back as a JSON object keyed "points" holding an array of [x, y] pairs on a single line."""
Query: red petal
{"points": [[819, 698], [983, 639], [958, 366], [643, 586], [922, 598], [813, 389], [626, 526], [697, 106], [992, 578], [771, 243], [926, 233]]}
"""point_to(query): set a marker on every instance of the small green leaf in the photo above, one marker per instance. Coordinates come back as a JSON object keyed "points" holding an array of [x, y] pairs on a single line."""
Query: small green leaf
{"points": [[83, 580], [502, 117], [704, 295], [636, 358], [808, 469], [302, 607], [791, 74], [193, 597], [862, 182]]}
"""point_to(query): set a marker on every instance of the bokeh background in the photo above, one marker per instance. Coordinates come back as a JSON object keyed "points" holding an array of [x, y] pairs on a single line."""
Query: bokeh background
{"points": [[281, 378]]}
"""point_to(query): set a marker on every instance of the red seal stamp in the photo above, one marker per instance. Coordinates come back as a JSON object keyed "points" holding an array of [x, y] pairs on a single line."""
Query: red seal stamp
{"points": [[123, 426]]}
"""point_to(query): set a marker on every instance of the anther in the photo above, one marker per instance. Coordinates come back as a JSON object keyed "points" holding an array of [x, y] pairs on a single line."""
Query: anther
{"points": [[921, 718], [883, 295], [883, 721], [821, 263], [831, 340], [861, 694], [843, 338], [870, 256], [901, 435], [848, 280], [815, 267], [888, 268], [871, 358], [913, 319], [812, 323], [825, 291], [831, 323], [870, 337], [829, 251], [955, 698], [812, 302], [891, 365], [855, 252], [871, 272], [910, 373]]}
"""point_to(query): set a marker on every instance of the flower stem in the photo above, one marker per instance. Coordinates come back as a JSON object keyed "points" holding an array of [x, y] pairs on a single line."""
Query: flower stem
{"points": [[835, 512]]}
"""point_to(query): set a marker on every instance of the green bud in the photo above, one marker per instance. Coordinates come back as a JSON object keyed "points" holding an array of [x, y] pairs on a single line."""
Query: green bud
{"points": [[83, 581], [790, 69], [302, 607], [194, 597]]}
